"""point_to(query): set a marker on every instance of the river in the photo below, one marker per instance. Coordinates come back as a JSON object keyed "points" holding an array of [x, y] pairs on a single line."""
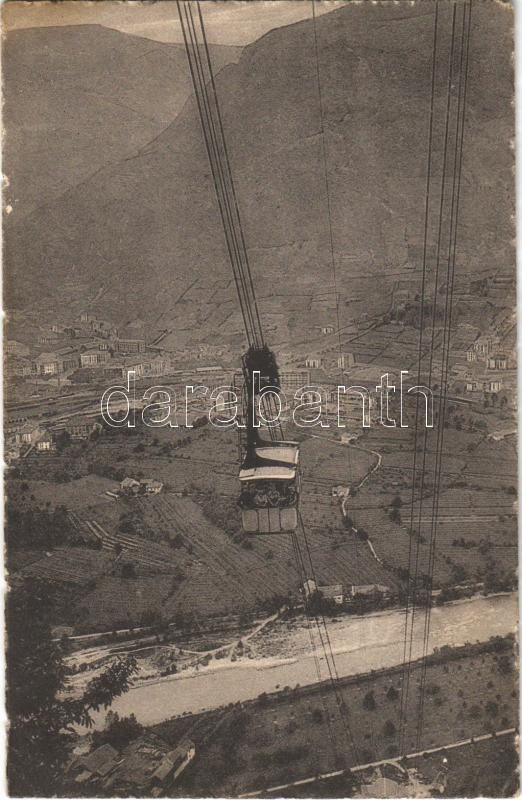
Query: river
{"points": [[359, 643]]}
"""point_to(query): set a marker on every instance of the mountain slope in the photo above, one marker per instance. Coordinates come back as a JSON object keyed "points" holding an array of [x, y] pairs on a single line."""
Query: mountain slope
{"points": [[81, 97], [143, 230]]}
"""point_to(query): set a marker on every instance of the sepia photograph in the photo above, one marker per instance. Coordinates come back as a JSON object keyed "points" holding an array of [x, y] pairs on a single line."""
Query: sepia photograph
{"points": [[260, 398]]}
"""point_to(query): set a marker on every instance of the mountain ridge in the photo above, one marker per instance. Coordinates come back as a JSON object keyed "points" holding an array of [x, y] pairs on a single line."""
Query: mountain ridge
{"points": [[144, 230]]}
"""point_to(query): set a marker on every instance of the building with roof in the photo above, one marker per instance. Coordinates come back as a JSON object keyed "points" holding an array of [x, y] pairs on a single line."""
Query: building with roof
{"points": [[129, 486], [368, 589], [499, 361], [45, 443], [28, 433], [46, 364], [94, 357], [80, 428], [129, 346], [95, 766], [332, 591], [151, 486], [15, 348], [173, 764]]}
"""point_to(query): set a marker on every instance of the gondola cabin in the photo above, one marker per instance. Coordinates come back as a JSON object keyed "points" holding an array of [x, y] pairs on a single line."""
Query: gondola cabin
{"points": [[270, 489]]}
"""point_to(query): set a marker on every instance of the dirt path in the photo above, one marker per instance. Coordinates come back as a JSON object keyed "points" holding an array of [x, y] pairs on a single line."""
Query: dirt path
{"points": [[370, 472]]}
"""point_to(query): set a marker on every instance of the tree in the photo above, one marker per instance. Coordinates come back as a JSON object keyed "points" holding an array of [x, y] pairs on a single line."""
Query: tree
{"points": [[395, 515], [392, 693], [369, 701], [118, 731], [389, 728], [40, 721]]}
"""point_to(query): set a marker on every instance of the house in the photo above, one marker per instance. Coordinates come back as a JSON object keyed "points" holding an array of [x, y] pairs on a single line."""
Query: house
{"points": [[368, 589], [326, 330], [484, 345], [346, 360], [49, 337], [493, 386], [132, 365], [102, 327], [129, 346], [28, 433], [94, 357], [156, 366], [94, 766], [173, 764], [46, 364], [45, 443], [151, 486], [340, 491], [15, 348], [17, 366], [313, 362], [79, 428], [333, 592], [69, 361], [330, 592], [497, 362], [11, 453], [129, 486], [471, 354], [292, 380]]}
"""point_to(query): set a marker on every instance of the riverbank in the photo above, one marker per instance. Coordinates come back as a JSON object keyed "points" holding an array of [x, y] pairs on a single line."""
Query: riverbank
{"points": [[282, 656]]}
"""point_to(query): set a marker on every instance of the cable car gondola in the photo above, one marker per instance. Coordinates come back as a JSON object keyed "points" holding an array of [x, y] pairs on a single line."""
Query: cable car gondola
{"points": [[269, 473], [270, 489]]}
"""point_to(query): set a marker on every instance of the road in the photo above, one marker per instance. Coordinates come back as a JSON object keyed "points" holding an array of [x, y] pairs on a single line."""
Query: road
{"points": [[361, 767]]}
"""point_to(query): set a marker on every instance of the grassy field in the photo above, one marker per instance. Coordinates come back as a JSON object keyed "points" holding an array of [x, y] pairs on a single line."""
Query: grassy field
{"points": [[300, 733]]}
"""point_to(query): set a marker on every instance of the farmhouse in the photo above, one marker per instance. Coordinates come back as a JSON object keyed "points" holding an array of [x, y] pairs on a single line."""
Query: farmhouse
{"points": [[329, 592], [333, 592]]}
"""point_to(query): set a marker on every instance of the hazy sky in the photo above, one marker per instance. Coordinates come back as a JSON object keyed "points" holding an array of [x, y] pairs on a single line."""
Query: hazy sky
{"points": [[227, 22]]}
